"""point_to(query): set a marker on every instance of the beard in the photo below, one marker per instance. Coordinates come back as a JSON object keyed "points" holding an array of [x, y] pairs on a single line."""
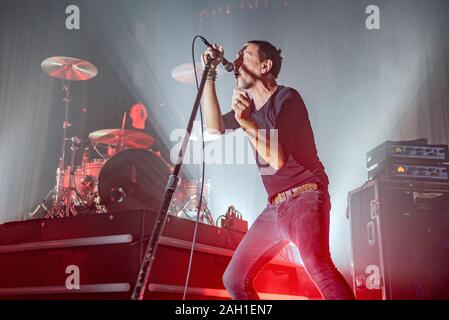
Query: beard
{"points": [[242, 84]]}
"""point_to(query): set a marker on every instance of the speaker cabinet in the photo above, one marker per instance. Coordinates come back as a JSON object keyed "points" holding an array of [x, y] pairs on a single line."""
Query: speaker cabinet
{"points": [[400, 240]]}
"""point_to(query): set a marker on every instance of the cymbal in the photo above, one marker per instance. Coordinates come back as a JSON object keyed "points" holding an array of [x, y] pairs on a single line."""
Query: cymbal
{"points": [[127, 138], [68, 68], [184, 73]]}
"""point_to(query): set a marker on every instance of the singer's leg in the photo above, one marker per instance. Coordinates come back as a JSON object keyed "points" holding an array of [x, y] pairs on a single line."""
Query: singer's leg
{"points": [[261, 244], [305, 221]]}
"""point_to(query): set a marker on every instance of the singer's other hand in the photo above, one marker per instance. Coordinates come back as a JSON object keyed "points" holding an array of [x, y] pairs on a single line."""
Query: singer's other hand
{"points": [[216, 54], [241, 105]]}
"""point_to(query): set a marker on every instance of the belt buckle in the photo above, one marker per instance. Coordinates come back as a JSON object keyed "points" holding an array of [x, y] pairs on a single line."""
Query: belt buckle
{"points": [[282, 197], [294, 192]]}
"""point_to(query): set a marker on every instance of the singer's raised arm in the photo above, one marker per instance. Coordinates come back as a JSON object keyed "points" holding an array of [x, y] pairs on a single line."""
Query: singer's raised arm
{"points": [[211, 106]]}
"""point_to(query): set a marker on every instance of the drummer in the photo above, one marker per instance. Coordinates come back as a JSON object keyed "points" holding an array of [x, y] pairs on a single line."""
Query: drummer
{"points": [[138, 114]]}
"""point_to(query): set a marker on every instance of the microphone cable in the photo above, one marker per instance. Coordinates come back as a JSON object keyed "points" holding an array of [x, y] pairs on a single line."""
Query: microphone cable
{"points": [[203, 170]]}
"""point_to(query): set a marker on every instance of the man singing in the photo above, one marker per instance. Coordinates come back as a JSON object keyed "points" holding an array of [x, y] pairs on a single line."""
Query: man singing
{"points": [[298, 199]]}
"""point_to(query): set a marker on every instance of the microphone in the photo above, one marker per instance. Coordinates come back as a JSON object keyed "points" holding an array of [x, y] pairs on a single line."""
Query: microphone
{"points": [[229, 66]]}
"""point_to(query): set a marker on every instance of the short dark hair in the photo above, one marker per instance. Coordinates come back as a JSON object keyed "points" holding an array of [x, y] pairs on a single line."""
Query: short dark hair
{"points": [[267, 51]]}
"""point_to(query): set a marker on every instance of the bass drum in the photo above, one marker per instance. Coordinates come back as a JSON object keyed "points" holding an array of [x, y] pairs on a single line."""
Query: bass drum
{"points": [[133, 179]]}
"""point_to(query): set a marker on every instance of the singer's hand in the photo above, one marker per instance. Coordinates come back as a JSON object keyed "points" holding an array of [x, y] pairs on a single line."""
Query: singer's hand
{"points": [[241, 105], [216, 54]]}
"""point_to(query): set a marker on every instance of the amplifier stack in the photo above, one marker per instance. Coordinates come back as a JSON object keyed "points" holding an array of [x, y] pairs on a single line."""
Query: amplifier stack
{"points": [[399, 223], [409, 160]]}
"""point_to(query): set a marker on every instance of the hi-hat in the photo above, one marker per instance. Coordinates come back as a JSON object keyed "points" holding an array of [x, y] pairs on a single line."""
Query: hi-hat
{"points": [[126, 138], [67, 68], [184, 73]]}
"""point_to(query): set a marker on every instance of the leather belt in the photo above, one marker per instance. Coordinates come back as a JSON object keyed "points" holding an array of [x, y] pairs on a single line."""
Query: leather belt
{"points": [[293, 192]]}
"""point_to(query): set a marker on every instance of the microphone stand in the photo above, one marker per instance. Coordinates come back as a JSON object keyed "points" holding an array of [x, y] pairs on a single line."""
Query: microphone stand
{"points": [[148, 259]]}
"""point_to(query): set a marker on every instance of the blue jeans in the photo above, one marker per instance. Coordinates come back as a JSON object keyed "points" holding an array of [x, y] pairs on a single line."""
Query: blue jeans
{"points": [[302, 220]]}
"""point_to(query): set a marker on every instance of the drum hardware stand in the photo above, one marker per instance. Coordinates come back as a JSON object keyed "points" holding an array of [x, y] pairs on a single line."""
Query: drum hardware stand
{"points": [[148, 259], [64, 203], [183, 209], [66, 124], [206, 215], [95, 147], [68, 69], [44, 206], [60, 192], [60, 175], [204, 211], [74, 148]]}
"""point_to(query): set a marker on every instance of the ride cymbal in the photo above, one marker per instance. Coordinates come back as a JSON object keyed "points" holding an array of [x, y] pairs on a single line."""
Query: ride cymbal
{"points": [[127, 138]]}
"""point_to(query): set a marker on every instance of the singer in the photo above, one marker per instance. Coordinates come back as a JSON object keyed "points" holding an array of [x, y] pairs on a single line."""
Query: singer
{"points": [[298, 200]]}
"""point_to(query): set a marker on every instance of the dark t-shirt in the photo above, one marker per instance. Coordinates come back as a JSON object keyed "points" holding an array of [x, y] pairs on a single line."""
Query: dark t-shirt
{"points": [[286, 112]]}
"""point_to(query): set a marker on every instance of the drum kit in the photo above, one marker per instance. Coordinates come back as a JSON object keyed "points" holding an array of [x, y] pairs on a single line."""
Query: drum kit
{"points": [[132, 178]]}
